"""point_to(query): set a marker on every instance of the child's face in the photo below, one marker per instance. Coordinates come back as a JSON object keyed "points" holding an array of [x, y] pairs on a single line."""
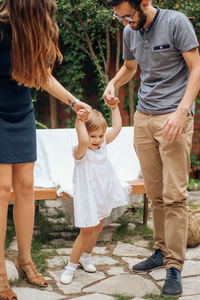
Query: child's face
{"points": [[96, 138]]}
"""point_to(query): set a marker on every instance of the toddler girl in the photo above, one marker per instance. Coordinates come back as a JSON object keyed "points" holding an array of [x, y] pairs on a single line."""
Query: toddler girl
{"points": [[97, 189]]}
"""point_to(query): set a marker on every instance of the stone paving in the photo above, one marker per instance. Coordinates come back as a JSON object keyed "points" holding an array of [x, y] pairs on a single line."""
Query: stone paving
{"points": [[113, 277]]}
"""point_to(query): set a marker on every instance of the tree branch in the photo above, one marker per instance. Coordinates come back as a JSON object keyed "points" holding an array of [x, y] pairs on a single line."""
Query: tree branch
{"points": [[107, 49]]}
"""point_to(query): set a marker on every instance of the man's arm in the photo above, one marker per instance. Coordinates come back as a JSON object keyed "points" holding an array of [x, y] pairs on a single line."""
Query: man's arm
{"points": [[124, 75], [175, 123], [192, 59]]}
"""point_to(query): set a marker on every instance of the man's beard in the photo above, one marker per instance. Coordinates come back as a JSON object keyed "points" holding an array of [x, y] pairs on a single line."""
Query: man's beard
{"points": [[140, 23]]}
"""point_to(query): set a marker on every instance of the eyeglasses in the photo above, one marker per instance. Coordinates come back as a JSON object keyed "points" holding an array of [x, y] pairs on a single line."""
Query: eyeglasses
{"points": [[125, 18]]}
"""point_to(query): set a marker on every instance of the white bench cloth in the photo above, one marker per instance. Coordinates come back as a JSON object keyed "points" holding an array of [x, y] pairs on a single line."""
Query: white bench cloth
{"points": [[55, 163]]}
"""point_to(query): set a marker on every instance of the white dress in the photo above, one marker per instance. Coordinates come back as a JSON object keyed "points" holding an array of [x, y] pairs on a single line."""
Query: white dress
{"points": [[97, 190]]}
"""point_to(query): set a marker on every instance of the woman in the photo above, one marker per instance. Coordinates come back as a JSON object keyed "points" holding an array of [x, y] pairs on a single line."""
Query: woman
{"points": [[28, 51]]}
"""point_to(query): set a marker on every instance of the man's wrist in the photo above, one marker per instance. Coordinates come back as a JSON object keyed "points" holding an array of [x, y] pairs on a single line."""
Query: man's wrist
{"points": [[183, 109]]}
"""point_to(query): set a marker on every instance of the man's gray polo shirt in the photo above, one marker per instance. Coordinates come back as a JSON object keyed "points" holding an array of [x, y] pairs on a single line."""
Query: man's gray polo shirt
{"points": [[158, 50]]}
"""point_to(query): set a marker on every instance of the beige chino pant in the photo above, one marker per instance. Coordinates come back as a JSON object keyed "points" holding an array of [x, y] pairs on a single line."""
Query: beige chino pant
{"points": [[165, 168]]}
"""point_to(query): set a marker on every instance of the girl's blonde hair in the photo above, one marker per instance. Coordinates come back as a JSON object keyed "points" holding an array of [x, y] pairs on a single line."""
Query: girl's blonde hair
{"points": [[95, 121], [34, 39]]}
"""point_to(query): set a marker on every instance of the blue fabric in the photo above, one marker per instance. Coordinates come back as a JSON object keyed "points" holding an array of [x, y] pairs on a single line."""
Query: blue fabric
{"points": [[17, 122]]}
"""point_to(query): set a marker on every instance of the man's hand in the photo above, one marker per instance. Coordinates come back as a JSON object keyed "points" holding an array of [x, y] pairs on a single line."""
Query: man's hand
{"points": [[173, 127], [109, 95]]}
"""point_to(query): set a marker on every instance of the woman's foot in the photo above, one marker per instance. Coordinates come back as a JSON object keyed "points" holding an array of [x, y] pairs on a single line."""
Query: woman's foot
{"points": [[6, 292], [68, 274], [28, 271], [86, 262]]}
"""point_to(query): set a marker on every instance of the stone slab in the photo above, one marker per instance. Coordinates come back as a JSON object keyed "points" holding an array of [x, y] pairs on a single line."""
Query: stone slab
{"points": [[193, 253], [103, 260], [123, 249], [25, 293], [116, 271], [127, 285], [11, 270], [54, 203], [138, 298], [100, 250], [193, 297], [57, 261], [142, 243], [13, 245], [95, 297], [81, 280], [57, 221], [64, 251], [96, 250], [107, 232]]}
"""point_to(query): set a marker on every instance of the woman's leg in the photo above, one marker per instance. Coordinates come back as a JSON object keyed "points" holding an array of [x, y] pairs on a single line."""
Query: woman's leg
{"points": [[24, 212], [5, 188], [24, 209]]}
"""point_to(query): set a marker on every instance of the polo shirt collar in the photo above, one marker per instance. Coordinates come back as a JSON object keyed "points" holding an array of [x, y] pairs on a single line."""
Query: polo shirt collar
{"points": [[142, 31]]}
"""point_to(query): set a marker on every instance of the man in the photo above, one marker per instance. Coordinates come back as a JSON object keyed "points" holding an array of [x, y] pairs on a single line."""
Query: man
{"points": [[164, 44]]}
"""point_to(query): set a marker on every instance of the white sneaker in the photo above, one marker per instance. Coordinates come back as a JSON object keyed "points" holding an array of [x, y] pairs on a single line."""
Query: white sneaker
{"points": [[87, 264], [66, 277]]}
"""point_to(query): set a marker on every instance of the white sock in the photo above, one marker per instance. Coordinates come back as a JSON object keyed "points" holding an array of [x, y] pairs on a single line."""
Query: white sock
{"points": [[86, 255], [70, 268]]}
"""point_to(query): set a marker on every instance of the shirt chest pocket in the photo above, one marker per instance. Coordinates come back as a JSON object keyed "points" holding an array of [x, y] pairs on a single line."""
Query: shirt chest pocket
{"points": [[161, 47], [163, 54]]}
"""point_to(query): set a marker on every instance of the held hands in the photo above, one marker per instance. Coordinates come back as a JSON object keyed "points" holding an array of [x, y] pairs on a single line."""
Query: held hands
{"points": [[82, 109], [173, 127], [82, 114], [109, 96]]}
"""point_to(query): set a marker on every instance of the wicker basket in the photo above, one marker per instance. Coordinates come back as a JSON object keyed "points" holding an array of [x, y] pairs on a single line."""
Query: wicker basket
{"points": [[193, 227]]}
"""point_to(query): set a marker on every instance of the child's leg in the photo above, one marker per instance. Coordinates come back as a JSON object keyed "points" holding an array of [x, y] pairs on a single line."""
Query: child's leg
{"points": [[86, 258], [92, 241], [81, 241], [77, 250]]}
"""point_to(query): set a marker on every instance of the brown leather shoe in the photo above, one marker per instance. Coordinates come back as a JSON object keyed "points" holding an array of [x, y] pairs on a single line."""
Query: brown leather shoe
{"points": [[28, 271], [6, 292]]}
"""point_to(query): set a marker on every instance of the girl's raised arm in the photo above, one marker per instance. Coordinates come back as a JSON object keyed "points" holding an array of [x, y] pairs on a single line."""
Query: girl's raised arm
{"points": [[83, 139], [112, 133]]}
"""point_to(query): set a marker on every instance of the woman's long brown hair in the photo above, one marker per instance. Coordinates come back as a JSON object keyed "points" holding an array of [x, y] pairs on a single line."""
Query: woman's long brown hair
{"points": [[34, 39]]}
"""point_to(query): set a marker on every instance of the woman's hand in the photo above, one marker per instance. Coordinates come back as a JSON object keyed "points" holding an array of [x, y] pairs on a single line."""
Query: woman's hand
{"points": [[82, 105]]}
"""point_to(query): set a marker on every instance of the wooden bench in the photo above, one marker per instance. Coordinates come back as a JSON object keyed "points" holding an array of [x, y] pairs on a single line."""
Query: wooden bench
{"points": [[50, 194]]}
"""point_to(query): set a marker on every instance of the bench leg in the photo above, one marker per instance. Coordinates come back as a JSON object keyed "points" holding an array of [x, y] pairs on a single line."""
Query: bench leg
{"points": [[145, 210], [37, 207]]}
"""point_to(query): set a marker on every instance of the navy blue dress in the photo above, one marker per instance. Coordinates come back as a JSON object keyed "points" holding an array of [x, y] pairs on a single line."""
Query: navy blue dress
{"points": [[17, 122]]}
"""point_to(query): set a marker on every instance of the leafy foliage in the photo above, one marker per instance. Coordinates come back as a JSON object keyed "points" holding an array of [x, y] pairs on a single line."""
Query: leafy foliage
{"points": [[86, 30]]}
